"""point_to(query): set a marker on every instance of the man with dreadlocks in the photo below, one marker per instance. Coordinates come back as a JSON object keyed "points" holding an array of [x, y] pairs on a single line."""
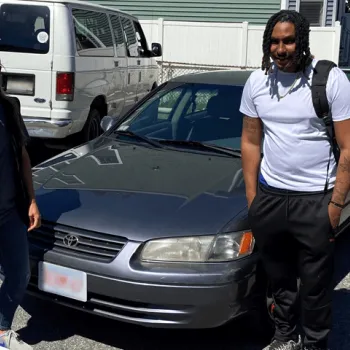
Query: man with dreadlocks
{"points": [[292, 213]]}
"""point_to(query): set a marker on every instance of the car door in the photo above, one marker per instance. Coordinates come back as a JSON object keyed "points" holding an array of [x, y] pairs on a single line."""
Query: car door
{"points": [[145, 74], [120, 66], [27, 37], [134, 62], [94, 62]]}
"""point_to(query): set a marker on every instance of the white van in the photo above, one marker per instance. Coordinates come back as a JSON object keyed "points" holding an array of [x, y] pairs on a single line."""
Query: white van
{"points": [[69, 63]]}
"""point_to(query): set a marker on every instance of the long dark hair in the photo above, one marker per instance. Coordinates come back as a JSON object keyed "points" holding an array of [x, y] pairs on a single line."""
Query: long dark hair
{"points": [[303, 55]]}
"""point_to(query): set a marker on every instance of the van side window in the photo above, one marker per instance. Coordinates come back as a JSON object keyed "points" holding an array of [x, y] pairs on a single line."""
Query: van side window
{"points": [[118, 35], [141, 40], [130, 37], [93, 33]]}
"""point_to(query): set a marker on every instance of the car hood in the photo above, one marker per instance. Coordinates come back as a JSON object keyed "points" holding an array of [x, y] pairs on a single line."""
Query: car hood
{"points": [[140, 192]]}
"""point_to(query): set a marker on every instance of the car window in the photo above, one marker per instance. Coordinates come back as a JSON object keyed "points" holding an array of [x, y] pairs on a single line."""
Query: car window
{"points": [[200, 101], [192, 112], [118, 35], [130, 37], [167, 104], [25, 28], [141, 40], [93, 33]]}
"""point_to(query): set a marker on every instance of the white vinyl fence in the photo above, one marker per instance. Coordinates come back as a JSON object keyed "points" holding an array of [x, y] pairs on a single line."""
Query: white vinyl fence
{"points": [[201, 46]]}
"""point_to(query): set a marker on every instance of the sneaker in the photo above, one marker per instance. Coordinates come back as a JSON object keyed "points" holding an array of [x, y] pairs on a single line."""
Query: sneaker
{"points": [[279, 345], [11, 340]]}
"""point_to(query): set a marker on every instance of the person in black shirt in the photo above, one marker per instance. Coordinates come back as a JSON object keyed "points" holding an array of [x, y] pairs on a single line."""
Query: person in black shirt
{"points": [[19, 213]]}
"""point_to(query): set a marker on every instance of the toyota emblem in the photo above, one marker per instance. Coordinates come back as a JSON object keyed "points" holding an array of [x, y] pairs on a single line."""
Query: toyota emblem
{"points": [[70, 240]]}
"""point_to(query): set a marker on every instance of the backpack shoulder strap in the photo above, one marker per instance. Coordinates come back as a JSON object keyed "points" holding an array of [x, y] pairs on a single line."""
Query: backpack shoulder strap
{"points": [[321, 105], [318, 87]]}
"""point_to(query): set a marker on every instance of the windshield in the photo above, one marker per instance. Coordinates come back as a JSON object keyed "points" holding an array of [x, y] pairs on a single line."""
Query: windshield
{"points": [[191, 112], [24, 28]]}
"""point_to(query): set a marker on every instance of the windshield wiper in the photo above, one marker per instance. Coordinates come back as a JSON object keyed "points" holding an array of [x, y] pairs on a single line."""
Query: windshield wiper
{"points": [[204, 146], [138, 137]]}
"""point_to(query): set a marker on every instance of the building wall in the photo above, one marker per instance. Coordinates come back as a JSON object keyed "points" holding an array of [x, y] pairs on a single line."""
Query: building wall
{"points": [[234, 11], [292, 5], [330, 15]]}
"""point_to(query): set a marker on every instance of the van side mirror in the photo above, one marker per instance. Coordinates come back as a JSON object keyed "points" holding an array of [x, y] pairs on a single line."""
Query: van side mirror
{"points": [[107, 122], [157, 50]]}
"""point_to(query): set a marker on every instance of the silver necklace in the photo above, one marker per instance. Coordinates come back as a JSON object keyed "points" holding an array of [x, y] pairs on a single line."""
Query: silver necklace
{"points": [[290, 89]]}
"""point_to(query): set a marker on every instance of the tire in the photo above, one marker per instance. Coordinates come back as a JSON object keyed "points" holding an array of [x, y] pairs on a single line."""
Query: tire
{"points": [[92, 127]]}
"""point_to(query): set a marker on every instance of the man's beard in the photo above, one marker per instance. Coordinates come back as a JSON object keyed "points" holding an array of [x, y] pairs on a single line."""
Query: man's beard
{"points": [[290, 62]]}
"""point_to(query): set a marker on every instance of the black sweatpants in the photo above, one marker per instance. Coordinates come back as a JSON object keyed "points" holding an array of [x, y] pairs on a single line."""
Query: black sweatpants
{"points": [[295, 238]]}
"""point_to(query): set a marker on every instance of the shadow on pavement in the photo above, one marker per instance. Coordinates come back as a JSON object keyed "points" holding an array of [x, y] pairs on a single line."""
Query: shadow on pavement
{"points": [[340, 336], [39, 153], [53, 323]]}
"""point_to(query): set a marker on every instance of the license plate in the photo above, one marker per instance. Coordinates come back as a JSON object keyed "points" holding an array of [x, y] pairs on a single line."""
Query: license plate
{"points": [[20, 85], [62, 281]]}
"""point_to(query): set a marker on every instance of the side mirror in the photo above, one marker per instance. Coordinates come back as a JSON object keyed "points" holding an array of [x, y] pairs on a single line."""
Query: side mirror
{"points": [[157, 50], [107, 122]]}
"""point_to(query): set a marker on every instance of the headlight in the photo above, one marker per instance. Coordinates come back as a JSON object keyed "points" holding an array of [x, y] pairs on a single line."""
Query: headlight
{"points": [[222, 247]]}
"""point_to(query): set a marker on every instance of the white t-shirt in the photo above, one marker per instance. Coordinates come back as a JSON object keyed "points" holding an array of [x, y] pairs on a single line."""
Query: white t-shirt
{"points": [[296, 148]]}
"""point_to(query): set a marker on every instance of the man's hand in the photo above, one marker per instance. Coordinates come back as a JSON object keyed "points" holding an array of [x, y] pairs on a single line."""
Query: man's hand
{"points": [[33, 212], [334, 215], [250, 199], [34, 216]]}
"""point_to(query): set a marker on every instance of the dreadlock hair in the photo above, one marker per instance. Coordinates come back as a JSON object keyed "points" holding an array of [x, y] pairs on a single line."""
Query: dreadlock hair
{"points": [[303, 56]]}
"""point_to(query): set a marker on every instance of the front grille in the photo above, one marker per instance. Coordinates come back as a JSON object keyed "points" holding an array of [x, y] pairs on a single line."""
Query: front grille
{"points": [[84, 244]]}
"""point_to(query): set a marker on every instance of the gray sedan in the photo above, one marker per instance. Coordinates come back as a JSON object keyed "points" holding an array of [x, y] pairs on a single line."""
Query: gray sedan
{"points": [[148, 222]]}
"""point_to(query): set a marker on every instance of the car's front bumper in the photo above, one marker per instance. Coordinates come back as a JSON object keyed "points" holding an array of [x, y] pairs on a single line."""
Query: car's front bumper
{"points": [[157, 296]]}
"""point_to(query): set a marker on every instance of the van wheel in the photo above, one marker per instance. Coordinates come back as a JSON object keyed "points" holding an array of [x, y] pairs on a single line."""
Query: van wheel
{"points": [[92, 127]]}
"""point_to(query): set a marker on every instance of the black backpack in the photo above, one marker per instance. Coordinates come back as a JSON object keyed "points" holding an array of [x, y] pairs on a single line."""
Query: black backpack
{"points": [[320, 102]]}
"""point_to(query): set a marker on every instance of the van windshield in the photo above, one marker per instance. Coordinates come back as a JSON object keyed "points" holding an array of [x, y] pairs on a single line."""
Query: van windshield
{"points": [[24, 28]]}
